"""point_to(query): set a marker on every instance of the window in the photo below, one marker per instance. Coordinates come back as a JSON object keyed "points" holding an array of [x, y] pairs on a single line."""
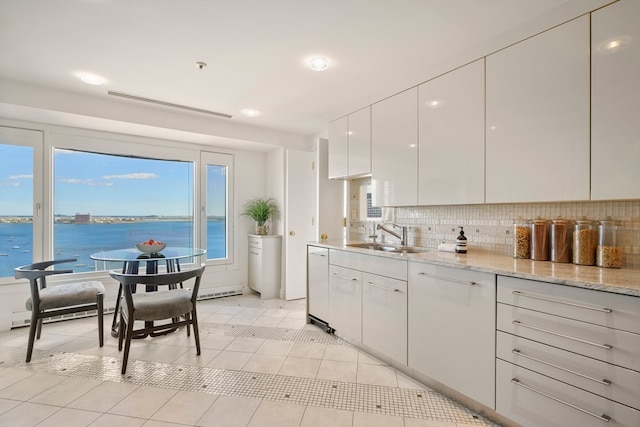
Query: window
{"points": [[104, 202], [20, 195], [218, 196]]}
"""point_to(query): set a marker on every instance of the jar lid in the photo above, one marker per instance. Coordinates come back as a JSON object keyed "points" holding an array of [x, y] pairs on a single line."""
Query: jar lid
{"points": [[559, 220], [609, 222], [585, 222]]}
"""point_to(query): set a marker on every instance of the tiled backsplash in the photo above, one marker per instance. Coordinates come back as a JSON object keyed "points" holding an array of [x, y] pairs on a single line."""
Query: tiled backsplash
{"points": [[489, 227]]}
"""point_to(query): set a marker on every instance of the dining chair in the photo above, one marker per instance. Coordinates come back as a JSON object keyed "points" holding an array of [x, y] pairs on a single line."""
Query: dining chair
{"points": [[58, 299], [176, 303]]}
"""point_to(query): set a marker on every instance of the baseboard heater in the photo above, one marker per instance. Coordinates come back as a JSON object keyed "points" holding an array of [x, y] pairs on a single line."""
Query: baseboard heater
{"points": [[321, 323]]}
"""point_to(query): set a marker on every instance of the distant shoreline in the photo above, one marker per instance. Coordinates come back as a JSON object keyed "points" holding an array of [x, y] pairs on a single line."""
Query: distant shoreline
{"points": [[104, 219]]}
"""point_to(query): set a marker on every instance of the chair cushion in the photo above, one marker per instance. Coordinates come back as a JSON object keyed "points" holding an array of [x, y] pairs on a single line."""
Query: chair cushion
{"points": [[161, 305], [68, 294]]}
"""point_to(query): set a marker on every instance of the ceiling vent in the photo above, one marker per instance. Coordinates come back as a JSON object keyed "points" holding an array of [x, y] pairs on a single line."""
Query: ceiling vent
{"points": [[167, 104]]}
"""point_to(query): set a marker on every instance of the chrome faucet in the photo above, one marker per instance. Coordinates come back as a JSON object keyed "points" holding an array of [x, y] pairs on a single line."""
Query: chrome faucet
{"points": [[402, 237]]}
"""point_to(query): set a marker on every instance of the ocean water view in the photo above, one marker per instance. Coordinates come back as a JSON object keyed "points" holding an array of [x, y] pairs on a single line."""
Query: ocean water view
{"points": [[81, 240]]}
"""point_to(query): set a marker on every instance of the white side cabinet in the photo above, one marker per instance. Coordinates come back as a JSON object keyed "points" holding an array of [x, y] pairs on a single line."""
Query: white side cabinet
{"points": [[451, 328], [265, 255], [615, 101], [451, 120], [318, 283], [394, 150], [537, 130]]}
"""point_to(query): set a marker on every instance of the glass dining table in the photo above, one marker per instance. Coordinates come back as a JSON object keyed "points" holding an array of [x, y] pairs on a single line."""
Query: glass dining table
{"points": [[131, 259]]}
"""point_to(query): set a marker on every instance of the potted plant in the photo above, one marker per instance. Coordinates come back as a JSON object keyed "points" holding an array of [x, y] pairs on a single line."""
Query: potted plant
{"points": [[261, 209]]}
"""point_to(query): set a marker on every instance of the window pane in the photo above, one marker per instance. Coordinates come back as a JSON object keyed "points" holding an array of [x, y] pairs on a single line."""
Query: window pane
{"points": [[105, 202], [216, 212], [16, 207]]}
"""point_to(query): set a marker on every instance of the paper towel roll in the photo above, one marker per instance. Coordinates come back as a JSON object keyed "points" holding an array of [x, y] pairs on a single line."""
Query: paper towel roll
{"points": [[447, 247]]}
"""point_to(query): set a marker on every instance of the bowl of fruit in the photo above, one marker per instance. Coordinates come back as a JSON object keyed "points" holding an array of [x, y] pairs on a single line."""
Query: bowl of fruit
{"points": [[151, 246]]}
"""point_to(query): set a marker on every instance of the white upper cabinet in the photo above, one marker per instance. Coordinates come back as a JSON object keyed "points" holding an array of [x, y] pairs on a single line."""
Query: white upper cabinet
{"points": [[350, 145], [451, 137], [537, 106], [360, 142], [394, 150], [615, 101], [338, 148]]}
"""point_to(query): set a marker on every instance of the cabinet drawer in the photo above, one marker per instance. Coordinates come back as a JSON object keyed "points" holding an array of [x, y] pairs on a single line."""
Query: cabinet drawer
{"points": [[380, 265], [534, 400], [609, 345], [601, 308], [345, 303], [612, 382], [255, 242]]}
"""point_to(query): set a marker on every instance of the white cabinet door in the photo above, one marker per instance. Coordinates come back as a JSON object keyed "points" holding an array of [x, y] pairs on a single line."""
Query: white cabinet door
{"points": [[451, 135], [360, 142], [452, 328], [338, 148], [537, 110], [394, 150], [384, 316], [345, 302], [615, 101], [318, 282]]}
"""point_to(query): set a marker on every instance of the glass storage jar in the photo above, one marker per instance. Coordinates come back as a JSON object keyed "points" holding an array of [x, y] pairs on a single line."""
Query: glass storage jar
{"points": [[560, 240], [608, 253], [585, 240], [540, 239], [522, 238]]}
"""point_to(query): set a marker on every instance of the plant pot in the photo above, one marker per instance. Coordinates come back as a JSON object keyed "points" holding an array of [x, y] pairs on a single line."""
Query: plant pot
{"points": [[262, 230]]}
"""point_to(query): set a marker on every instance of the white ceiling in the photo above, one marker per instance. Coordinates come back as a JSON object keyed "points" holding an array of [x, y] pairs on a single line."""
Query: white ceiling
{"points": [[255, 50]]}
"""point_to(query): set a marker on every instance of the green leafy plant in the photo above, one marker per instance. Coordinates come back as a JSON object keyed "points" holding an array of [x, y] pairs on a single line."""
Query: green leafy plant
{"points": [[261, 209]]}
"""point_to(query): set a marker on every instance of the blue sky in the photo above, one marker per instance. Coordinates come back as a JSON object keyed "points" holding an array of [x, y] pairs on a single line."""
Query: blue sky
{"points": [[105, 185]]}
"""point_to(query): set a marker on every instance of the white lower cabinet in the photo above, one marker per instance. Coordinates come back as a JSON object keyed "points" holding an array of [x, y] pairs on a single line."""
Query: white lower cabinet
{"points": [[384, 316], [451, 328], [535, 400], [567, 356], [345, 302], [318, 282]]}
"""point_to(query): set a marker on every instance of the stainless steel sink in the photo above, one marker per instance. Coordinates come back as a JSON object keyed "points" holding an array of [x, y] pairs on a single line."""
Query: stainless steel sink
{"points": [[386, 248]]}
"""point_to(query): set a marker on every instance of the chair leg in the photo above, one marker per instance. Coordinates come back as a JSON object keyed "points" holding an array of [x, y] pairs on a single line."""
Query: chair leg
{"points": [[187, 317], [127, 344], [121, 332], [39, 328], [196, 333], [100, 302], [32, 333]]}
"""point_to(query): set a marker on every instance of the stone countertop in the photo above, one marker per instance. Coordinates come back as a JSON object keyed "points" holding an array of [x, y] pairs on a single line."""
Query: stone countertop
{"points": [[619, 281]]}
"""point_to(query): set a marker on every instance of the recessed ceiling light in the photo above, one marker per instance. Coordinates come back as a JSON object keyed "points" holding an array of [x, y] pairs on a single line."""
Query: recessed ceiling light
{"points": [[319, 63], [614, 45], [250, 112], [92, 79]]}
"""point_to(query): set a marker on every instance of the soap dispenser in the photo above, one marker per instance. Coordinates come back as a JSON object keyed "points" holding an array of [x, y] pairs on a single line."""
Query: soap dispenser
{"points": [[461, 243]]}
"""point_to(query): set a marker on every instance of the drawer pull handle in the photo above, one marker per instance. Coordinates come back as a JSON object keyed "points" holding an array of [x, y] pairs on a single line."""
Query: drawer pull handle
{"points": [[602, 417], [448, 279], [316, 254], [383, 287], [535, 328], [344, 277], [521, 354], [604, 310]]}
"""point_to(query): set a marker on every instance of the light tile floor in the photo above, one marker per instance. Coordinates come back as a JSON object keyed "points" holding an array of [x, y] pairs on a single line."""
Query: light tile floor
{"points": [[261, 365]]}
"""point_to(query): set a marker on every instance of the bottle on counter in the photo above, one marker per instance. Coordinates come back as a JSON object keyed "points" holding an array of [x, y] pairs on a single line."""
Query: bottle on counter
{"points": [[608, 253], [540, 239], [561, 240], [585, 240], [522, 238], [461, 243]]}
